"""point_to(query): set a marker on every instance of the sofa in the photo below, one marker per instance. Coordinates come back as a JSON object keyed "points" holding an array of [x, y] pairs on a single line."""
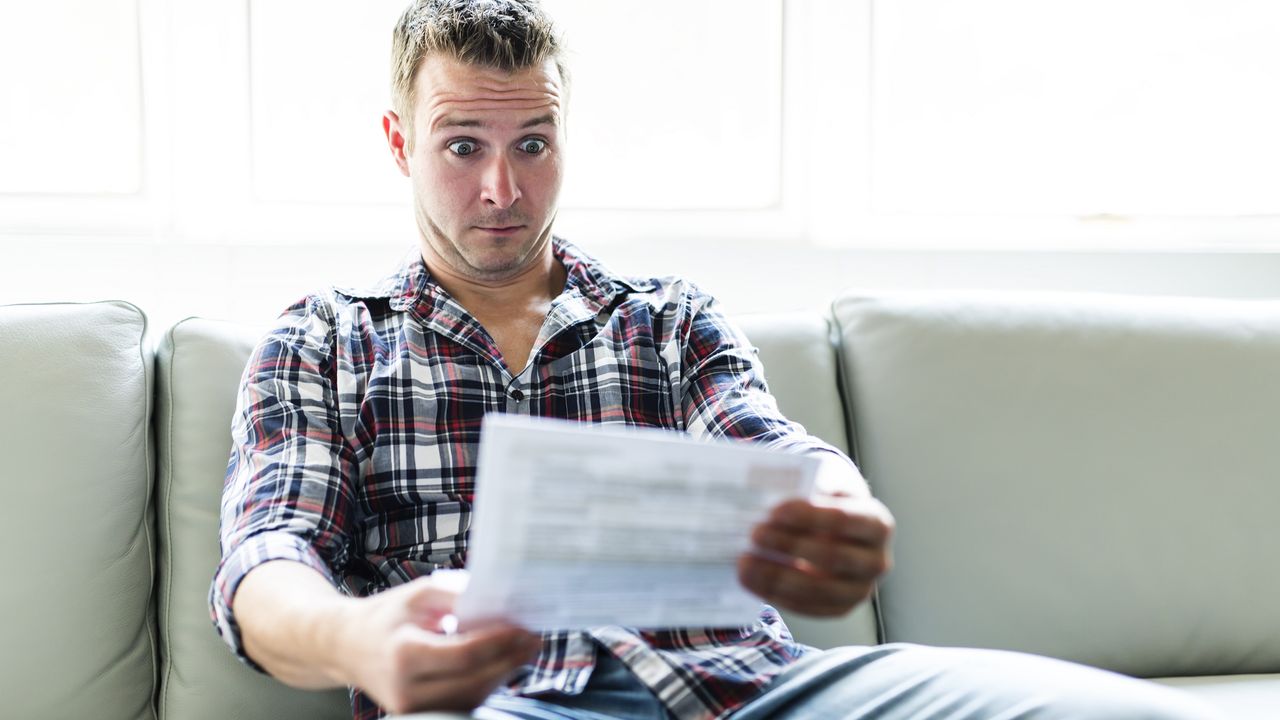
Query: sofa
{"points": [[1095, 478]]}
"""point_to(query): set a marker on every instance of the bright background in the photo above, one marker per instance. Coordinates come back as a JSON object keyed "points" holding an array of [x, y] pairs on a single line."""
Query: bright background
{"points": [[224, 158]]}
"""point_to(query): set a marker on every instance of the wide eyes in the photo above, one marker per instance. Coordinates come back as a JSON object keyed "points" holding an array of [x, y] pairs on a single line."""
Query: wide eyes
{"points": [[532, 146], [464, 147]]}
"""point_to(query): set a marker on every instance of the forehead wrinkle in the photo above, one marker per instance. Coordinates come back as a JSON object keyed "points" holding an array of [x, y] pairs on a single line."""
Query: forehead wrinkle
{"points": [[547, 88], [518, 102], [454, 113], [454, 93], [548, 92]]}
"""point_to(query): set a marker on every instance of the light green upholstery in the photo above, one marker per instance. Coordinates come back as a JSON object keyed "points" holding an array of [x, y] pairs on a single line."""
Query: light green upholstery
{"points": [[199, 364], [1094, 478], [77, 635]]}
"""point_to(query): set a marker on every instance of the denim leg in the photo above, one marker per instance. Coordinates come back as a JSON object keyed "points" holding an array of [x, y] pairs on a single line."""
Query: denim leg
{"points": [[912, 682]]}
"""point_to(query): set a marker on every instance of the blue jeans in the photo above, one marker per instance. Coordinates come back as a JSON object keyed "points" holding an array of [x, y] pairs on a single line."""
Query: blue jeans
{"points": [[890, 682]]}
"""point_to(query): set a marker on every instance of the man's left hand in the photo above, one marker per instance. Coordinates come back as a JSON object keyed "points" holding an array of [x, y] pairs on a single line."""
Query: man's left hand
{"points": [[819, 557]]}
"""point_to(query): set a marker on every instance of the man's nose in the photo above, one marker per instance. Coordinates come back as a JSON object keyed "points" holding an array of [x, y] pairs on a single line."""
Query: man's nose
{"points": [[499, 187]]}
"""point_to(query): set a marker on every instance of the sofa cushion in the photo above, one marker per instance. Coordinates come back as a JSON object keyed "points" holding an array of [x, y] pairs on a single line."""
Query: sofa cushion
{"points": [[77, 638], [1093, 478], [800, 365], [199, 365]]}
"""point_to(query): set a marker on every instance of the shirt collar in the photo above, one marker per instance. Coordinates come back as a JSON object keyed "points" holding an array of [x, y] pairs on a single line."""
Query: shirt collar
{"points": [[592, 278]]}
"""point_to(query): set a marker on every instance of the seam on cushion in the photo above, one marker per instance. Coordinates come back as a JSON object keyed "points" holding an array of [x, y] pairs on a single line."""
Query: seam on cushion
{"points": [[148, 369], [146, 524], [835, 341], [166, 586], [835, 338]]}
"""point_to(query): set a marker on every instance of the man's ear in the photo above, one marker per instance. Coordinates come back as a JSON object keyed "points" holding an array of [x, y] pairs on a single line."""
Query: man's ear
{"points": [[397, 140]]}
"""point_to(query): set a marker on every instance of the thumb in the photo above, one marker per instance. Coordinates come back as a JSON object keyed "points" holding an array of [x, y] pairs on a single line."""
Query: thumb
{"points": [[430, 599]]}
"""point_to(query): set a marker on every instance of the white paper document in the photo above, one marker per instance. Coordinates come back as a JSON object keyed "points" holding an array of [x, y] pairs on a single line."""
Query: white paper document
{"points": [[579, 525]]}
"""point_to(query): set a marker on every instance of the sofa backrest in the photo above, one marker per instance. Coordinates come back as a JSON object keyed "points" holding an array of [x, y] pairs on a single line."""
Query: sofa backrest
{"points": [[77, 637], [1093, 478], [1089, 478], [199, 364]]}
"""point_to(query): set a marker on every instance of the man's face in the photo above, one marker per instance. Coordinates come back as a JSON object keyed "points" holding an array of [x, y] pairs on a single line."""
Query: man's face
{"points": [[486, 163]]}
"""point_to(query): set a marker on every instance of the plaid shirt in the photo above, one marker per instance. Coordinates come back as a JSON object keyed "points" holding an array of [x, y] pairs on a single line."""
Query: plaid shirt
{"points": [[357, 427]]}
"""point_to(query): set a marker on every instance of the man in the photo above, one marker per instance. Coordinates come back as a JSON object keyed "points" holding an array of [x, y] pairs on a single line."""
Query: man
{"points": [[358, 424]]}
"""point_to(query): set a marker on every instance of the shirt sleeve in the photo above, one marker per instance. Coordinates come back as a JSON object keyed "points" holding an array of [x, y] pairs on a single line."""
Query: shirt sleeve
{"points": [[288, 491], [723, 390]]}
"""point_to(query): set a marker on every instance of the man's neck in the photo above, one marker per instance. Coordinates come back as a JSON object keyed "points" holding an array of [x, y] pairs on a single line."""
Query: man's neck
{"points": [[513, 309], [533, 286]]}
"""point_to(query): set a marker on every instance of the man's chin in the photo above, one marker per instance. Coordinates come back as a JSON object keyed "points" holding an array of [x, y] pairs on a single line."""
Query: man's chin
{"points": [[500, 253], [496, 265]]}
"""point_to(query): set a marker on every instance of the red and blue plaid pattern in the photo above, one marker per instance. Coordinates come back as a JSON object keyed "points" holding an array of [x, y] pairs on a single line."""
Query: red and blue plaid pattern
{"points": [[358, 423]]}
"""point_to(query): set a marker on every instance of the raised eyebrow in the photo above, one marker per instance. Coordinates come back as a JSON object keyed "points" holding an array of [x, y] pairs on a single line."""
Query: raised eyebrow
{"points": [[548, 119], [448, 122]]}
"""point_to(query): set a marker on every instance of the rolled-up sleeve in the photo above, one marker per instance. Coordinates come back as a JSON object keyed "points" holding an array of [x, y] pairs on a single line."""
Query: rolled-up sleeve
{"points": [[288, 492], [723, 389]]}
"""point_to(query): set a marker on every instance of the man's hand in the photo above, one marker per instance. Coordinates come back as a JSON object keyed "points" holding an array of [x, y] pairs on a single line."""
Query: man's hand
{"points": [[391, 645], [821, 557], [397, 652]]}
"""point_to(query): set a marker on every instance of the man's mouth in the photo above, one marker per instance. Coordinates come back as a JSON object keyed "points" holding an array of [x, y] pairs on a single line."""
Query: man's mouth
{"points": [[500, 229]]}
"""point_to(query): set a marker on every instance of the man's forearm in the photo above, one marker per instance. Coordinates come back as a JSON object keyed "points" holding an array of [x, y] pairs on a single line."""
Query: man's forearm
{"points": [[291, 623]]}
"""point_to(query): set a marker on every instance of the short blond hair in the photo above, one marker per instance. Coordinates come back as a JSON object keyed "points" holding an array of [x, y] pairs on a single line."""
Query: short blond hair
{"points": [[506, 35]]}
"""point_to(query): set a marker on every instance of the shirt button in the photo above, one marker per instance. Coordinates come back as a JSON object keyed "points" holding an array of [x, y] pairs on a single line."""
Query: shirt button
{"points": [[517, 395]]}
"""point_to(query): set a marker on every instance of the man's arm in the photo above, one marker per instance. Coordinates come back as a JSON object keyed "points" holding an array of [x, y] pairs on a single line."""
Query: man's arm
{"points": [[301, 630], [822, 555], [287, 510]]}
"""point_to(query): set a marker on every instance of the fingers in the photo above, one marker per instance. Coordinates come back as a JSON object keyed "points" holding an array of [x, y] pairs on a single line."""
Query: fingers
{"points": [[792, 588], [434, 672], [454, 692], [819, 559], [460, 693], [428, 604], [423, 654], [827, 555], [863, 520]]}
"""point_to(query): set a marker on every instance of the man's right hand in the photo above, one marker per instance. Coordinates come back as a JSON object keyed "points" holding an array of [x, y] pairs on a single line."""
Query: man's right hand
{"points": [[306, 634], [397, 652]]}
